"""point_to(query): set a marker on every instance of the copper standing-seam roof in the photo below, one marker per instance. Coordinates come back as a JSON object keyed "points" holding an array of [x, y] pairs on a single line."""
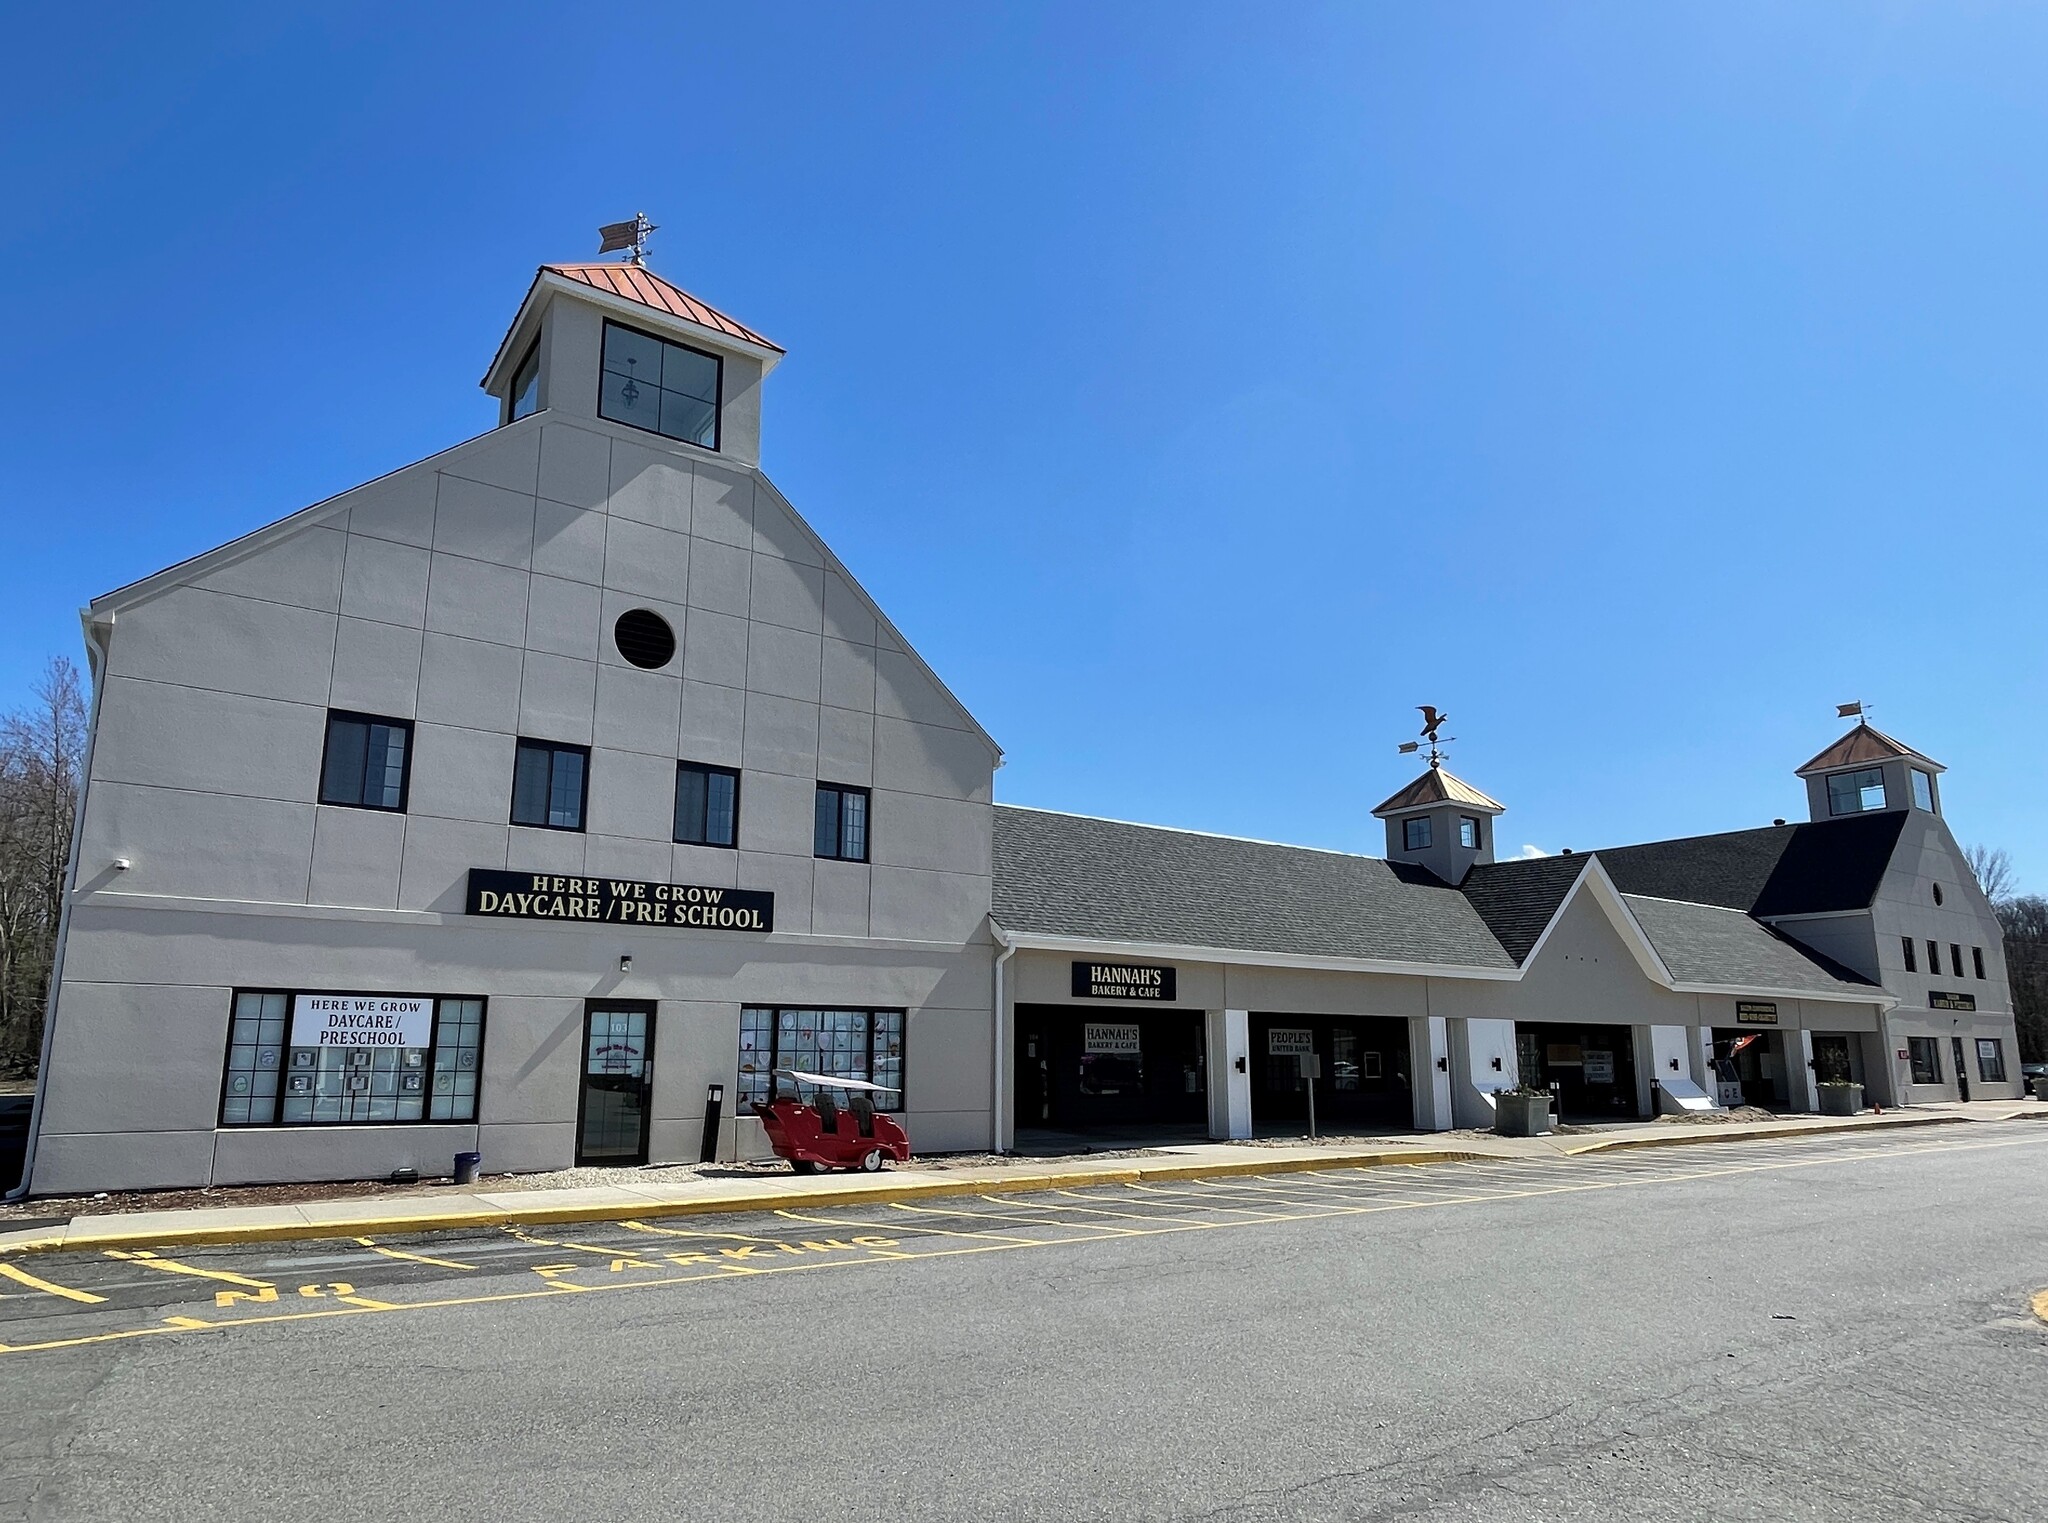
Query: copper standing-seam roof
{"points": [[637, 283], [1436, 786], [1862, 745]]}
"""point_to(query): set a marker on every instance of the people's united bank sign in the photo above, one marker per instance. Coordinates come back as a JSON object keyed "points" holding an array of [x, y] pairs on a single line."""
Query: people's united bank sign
{"points": [[618, 901]]}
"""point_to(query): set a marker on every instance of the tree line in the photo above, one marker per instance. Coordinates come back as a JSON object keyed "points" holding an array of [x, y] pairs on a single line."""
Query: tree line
{"points": [[42, 747], [2023, 919]]}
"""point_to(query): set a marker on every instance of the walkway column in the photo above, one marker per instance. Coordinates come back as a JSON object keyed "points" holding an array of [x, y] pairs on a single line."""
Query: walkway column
{"points": [[1228, 1038], [1799, 1074], [1429, 1054]]}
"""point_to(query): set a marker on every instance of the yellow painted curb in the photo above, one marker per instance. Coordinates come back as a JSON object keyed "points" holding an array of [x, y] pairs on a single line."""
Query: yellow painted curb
{"points": [[86, 1236], [2041, 1304], [1705, 1134]]}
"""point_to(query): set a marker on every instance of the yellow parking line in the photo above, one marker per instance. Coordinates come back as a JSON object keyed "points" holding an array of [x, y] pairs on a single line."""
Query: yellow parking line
{"points": [[22, 1276], [417, 1258], [849, 1221], [172, 1266]]}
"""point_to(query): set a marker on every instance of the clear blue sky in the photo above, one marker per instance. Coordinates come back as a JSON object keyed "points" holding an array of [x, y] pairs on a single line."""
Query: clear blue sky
{"points": [[1200, 387]]}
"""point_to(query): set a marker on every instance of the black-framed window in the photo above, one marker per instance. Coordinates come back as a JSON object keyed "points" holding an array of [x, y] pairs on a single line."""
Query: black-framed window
{"points": [[1923, 789], [707, 805], [1926, 1056], [1955, 958], [1468, 832], [1415, 833], [841, 1044], [1934, 958], [1912, 960], [526, 386], [663, 387], [1977, 960], [840, 827], [550, 784], [1856, 792], [1991, 1059], [368, 761], [314, 1058]]}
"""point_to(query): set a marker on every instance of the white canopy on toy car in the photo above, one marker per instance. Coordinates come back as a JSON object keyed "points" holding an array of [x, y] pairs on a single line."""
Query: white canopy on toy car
{"points": [[828, 1081]]}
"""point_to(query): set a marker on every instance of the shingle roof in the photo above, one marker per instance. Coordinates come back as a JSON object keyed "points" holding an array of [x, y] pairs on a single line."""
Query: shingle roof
{"points": [[1072, 875], [1814, 868], [1437, 786], [640, 284], [1866, 743], [1516, 899], [1706, 944]]}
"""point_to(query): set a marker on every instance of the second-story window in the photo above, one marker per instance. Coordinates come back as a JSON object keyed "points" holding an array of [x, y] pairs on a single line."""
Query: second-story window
{"points": [[550, 785], [1912, 962], [1415, 833], [526, 385], [842, 823], [1977, 958], [707, 805], [1468, 832], [367, 763], [665, 388], [1923, 790], [1955, 958], [1855, 792], [1934, 958]]}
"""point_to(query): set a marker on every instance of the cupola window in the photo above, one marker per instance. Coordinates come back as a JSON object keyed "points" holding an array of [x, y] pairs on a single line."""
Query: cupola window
{"points": [[1856, 792], [1923, 790], [1415, 833], [1468, 832], [526, 385], [665, 388]]}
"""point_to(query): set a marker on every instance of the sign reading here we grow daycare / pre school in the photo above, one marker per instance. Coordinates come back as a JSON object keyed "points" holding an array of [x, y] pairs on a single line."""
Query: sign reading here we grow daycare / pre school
{"points": [[361, 1020]]}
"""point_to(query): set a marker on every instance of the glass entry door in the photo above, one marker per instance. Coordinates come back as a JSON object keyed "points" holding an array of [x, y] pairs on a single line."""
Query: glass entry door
{"points": [[618, 1077]]}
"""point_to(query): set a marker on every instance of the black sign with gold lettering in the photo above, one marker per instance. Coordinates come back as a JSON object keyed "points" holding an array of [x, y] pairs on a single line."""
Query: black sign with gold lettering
{"points": [[1756, 1012], [618, 901], [1937, 1000], [1122, 980]]}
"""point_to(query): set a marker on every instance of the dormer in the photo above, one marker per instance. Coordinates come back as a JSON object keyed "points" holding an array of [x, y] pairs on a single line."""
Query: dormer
{"points": [[1440, 822], [616, 341], [1867, 770]]}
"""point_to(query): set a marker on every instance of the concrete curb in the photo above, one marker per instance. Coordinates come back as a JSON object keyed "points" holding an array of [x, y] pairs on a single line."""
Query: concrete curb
{"points": [[1682, 1139], [88, 1232]]}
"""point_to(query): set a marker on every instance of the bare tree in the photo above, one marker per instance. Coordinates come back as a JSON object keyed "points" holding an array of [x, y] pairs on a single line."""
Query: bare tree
{"points": [[2025, 923], [42, 746], [1993, 867]]}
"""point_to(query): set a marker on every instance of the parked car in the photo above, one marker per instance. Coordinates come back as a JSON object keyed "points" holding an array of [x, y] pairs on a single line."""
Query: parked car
{"points": [[2035, 1077], [824, 1134]]}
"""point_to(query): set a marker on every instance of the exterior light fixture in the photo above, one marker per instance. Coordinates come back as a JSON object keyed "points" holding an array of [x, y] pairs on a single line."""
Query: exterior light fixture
{"points": [[630, 392], [625, 962]]}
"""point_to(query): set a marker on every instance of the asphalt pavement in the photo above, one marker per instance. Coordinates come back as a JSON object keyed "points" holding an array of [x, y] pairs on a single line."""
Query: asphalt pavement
{"points": [[1836, 1327]]}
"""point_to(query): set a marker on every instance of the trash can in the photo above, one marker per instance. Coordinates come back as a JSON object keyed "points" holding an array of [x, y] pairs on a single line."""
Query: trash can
{"points": [[467, 1167]]}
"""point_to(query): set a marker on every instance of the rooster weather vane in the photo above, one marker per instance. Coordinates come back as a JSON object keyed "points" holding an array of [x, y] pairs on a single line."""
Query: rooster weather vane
{"points": [[1433, 722]]}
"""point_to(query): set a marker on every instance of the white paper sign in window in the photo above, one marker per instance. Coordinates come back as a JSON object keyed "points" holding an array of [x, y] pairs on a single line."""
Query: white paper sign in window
{"points": [[361, 1020]]}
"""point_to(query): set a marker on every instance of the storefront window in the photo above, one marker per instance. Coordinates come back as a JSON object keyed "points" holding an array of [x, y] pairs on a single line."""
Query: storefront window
{"points": [[315, 1059], [845, 1044], [1926, 1053], [1990, 1060]]}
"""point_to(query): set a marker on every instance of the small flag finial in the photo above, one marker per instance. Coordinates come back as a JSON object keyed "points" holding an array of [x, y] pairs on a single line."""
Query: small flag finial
{"points": [[1849, 711], [629, 237]]}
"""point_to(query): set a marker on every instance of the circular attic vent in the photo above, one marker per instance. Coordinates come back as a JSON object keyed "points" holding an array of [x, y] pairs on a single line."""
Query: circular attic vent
{"points": [[644, 638]]}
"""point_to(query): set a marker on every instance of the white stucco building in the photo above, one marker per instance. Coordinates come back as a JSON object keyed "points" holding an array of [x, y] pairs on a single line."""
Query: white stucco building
{"points": [[516, 800]]}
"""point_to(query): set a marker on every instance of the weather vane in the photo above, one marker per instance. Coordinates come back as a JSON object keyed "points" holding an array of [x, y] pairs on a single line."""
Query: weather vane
{"points": [[628, 236], [1432, 723], [1853, 711]]}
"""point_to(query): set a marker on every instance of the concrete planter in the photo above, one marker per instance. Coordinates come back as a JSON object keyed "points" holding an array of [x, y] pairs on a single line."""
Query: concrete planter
{"points": [[1841, 1099], [1521, 1115]]}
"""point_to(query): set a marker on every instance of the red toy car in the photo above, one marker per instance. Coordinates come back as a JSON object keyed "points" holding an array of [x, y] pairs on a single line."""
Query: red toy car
{"points": [[824, 1134]]}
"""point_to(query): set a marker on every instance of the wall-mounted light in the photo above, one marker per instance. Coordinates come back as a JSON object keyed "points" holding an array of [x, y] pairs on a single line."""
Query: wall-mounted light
{"points": [[1496, 1065], [1674, 1065], [122, 864], [625, 962], [1443, 1065]]}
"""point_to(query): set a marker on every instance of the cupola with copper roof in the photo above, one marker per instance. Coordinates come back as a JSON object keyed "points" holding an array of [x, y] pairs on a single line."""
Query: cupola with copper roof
{"points": [[1439, 821], [1868, 770], [617, 341]]}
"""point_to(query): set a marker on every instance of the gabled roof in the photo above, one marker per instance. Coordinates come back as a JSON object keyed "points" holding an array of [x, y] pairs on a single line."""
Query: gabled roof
{"points": [[638, 283], [1437, 786], [1076, 877], [1706, 944], [1865, 746], [1814, 868], [1518, 899]]}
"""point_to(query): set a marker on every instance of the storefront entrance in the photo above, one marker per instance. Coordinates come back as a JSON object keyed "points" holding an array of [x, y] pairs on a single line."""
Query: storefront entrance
{"points": [[1111, 1076], [1365, 1084], [1749, 1067], [1591, 1069], [618, 1072]]}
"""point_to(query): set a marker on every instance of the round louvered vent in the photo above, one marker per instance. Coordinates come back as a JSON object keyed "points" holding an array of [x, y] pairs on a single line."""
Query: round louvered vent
{"points": [[644, 638]]}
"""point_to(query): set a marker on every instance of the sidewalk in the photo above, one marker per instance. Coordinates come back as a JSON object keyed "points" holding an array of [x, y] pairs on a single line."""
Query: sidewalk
{"points": [[439, 1208]]}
